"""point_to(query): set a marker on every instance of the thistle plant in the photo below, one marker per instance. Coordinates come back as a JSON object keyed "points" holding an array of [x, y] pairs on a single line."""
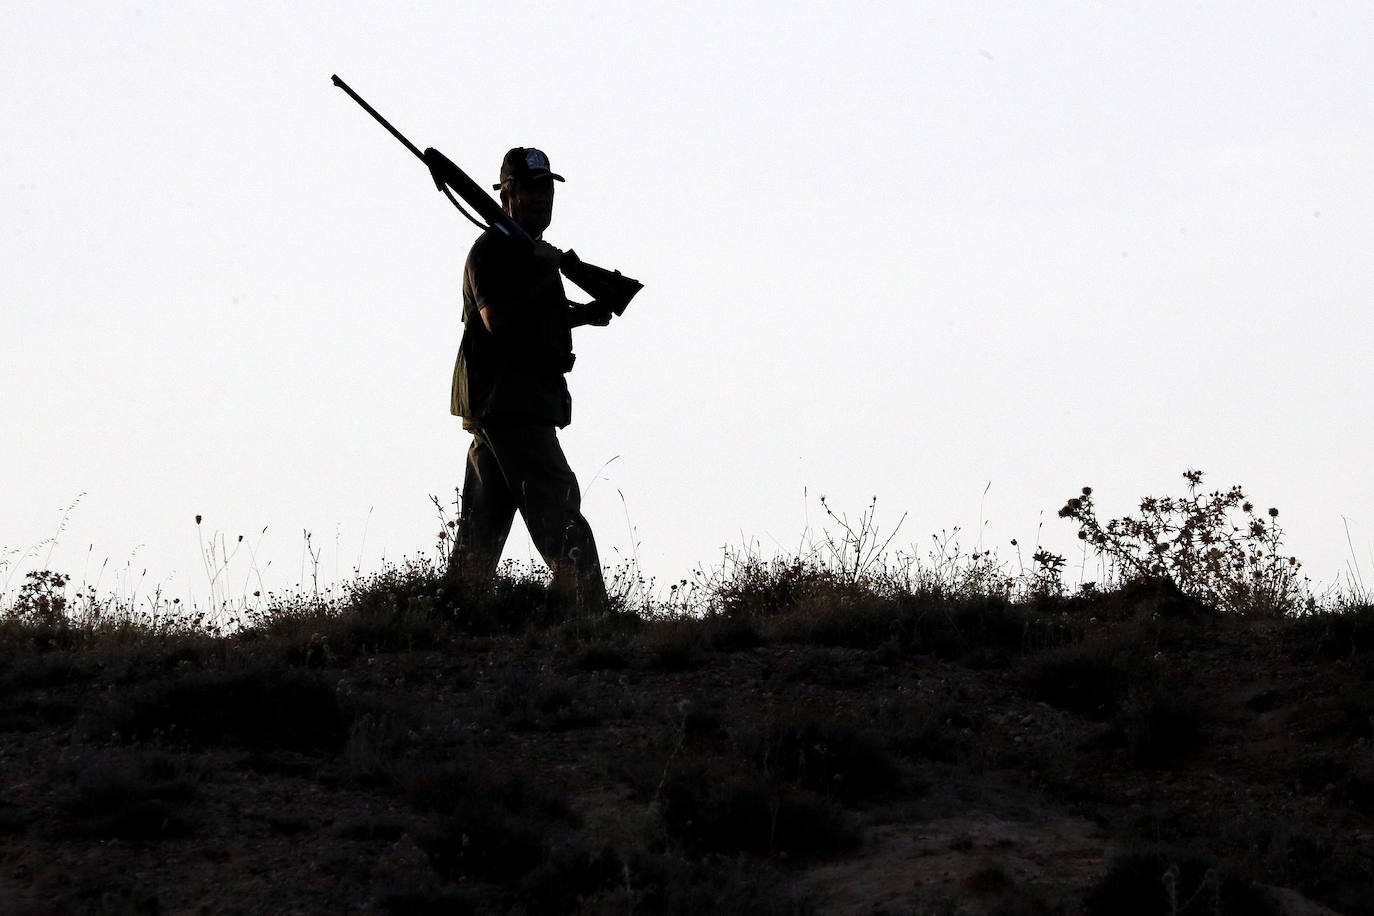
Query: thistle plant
{"points": [[42, 598], [1213, 545], [1047, 578]]}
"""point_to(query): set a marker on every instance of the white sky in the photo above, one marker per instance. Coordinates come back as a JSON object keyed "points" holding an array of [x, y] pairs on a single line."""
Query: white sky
{"points": [[908, 250]]}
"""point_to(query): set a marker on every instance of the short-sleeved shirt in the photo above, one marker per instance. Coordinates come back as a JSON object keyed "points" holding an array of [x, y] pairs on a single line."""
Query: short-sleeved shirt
{"points": [[516, 375]]}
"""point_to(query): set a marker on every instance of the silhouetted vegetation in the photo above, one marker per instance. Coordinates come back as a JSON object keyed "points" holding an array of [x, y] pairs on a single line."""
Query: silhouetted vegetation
{"points": [[757, 743]]}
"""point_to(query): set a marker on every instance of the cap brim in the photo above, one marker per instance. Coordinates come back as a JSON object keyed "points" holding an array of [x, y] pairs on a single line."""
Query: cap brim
{"points": [[535, 177]]}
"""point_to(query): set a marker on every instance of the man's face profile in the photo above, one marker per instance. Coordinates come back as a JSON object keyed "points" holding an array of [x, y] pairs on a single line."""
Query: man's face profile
{"points": [[529, 203]]}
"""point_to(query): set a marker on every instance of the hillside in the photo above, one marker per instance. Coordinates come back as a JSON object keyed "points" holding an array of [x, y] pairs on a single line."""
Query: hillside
{"points": [[807, 747]]}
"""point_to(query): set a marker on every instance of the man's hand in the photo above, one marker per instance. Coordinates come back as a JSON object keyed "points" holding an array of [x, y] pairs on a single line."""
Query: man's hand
{"points": [[441, 168], [546, 258], [591, 313]]}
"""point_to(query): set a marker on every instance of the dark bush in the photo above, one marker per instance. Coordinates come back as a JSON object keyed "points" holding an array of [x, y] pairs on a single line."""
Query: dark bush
{"points": [[758, 589]]}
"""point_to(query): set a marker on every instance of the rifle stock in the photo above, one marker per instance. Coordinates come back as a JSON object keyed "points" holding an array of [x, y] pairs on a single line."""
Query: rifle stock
{"points": [[610, 288]]}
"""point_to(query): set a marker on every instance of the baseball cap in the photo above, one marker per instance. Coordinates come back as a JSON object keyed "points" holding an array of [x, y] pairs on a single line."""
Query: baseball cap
{"points": [[523, 164]]}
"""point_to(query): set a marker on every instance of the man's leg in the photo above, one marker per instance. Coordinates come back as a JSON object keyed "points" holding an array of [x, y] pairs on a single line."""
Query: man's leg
{"points": [[485, 517], [545, 491]]}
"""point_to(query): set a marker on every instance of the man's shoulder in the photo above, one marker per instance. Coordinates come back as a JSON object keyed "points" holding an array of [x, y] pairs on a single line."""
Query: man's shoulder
{"points": [[496, 267], [494, 244], [480, 247], [496, 259]]}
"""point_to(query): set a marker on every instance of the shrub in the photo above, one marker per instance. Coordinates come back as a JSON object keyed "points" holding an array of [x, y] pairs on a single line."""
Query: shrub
{"points": [[755, 589], [39, 616], [1198, 541]]}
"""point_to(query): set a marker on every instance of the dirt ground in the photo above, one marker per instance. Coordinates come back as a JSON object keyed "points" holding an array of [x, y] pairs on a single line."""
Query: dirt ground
{"points": [[556, 772]]}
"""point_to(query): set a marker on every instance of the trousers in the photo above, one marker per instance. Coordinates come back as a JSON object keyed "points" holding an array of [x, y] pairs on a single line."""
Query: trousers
{"points": [[520, 467]]}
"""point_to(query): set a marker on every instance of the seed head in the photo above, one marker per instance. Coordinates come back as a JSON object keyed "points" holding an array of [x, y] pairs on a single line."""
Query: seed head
{"points": [[1273, 513]]}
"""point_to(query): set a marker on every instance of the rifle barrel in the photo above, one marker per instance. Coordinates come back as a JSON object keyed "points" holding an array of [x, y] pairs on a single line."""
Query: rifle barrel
{"points": [[380, 120], [592, 279]]}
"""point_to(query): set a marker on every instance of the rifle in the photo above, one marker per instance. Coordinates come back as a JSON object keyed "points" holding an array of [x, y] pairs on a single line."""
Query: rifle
{"points": [[609, 288]]}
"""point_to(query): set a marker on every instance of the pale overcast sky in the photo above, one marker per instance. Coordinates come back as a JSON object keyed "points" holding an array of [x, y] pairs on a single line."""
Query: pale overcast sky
{"points": [[961, 257]]}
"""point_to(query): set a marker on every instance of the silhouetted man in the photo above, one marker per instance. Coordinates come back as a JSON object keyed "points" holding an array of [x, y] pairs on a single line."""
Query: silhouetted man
{"points": [[509, 388]]}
